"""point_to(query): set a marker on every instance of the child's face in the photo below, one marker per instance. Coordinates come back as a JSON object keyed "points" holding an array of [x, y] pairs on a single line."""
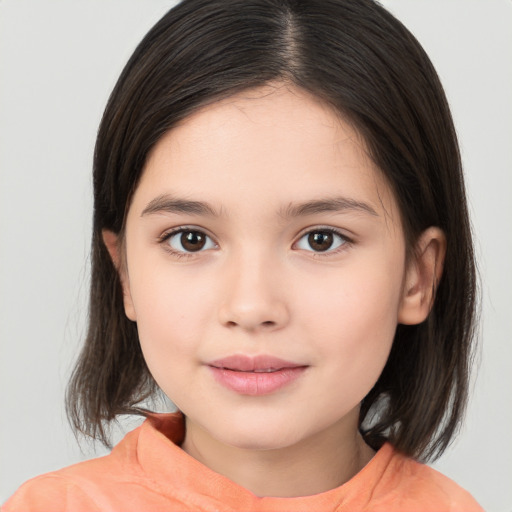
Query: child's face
{"points": [[292, 248]]}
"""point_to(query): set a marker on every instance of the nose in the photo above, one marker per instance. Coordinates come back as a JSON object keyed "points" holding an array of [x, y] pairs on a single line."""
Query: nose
{"points": [[253, 297]]}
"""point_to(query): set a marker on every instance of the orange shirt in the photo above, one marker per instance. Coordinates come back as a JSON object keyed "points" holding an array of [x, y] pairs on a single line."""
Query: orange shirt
{"points": [[148, 471]]}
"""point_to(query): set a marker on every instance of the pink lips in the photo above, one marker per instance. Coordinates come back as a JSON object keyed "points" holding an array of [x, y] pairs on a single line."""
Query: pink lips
{"points": [[258, 375]]}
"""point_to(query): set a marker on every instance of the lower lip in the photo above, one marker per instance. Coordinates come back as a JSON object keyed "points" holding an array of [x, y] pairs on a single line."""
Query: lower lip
{"points": [[256, 383]]}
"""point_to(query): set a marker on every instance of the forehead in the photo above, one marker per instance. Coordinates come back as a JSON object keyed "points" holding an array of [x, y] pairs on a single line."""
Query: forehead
{"points": [[275, 144]]}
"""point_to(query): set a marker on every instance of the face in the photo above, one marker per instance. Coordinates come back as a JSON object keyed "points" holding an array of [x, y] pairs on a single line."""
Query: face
{"points": [[265, 268]]}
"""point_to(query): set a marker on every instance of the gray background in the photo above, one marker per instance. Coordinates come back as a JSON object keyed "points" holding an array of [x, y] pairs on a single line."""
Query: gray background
{"points": [[59, 60]]}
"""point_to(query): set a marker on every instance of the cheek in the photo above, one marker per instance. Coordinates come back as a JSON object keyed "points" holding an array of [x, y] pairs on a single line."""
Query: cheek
{"points": [[355, 299], [352, 321], [171, 320], [171, 314]]}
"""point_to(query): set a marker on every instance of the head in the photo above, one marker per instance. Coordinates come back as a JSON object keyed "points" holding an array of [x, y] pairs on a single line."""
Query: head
{"points": [[357, 64]]}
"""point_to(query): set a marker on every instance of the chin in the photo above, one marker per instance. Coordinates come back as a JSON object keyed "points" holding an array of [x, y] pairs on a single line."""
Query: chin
{"points": [[260, 437]]}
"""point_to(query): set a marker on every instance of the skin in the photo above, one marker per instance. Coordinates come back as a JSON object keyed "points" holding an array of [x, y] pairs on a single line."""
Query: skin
{"points": [[258, 286]]}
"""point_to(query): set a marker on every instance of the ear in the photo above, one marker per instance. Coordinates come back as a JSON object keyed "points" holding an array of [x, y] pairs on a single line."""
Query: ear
{"points": [[111, 241], [423, 274]]}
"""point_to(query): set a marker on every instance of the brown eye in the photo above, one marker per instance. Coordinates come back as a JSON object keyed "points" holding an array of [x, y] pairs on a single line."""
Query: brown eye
{"points": [[190, 241], [320, 240]]}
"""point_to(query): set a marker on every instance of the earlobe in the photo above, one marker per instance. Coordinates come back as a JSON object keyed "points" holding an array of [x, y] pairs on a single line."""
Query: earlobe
{"points": [[111, 241], [423, 274]]}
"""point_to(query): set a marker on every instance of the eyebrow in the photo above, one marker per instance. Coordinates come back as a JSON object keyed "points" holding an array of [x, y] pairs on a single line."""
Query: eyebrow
{"points": [[334, 204], [169, 204]]}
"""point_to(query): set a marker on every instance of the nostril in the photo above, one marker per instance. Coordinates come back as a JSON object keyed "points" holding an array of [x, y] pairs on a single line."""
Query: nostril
{"points": [[253, 316], [267, 323]]}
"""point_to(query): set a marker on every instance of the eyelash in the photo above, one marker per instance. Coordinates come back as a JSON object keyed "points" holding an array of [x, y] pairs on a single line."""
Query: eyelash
{"points": [[163, 240], [346, 241]]}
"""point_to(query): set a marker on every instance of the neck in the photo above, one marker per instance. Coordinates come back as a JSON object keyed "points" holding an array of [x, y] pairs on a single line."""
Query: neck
{"points": [[317, 464]]}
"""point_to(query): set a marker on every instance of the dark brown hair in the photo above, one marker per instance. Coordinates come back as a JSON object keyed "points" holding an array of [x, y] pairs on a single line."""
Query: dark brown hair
{"points": [[358, 58]]}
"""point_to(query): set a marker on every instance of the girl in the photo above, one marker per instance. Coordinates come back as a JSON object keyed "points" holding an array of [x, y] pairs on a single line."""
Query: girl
{"points": [[281, 245]]}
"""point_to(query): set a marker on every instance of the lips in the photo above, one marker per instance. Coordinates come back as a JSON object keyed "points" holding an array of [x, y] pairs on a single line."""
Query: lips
{"points": [[258, 375]]}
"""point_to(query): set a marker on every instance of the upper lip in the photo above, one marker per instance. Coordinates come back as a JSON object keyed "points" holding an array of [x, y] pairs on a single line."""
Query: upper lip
{"points": [[259, 363]]}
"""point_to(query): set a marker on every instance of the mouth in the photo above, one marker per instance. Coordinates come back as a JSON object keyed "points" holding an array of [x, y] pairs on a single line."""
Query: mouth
{"points": [[258, 375]]}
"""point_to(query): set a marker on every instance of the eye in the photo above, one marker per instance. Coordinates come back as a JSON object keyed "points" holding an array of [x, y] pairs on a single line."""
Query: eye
{"points": [[321, 240], [189, 240]]}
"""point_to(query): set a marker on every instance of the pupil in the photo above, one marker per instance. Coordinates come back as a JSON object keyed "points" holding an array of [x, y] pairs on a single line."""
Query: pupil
{"points": [[320, 241], [192, 241]]}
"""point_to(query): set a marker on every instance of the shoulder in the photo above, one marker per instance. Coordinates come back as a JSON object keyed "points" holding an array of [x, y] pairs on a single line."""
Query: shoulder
{"points": [[49, 492], [79, 486], [426, 489]]}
